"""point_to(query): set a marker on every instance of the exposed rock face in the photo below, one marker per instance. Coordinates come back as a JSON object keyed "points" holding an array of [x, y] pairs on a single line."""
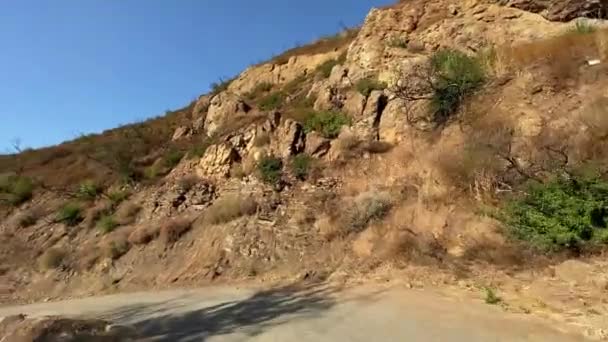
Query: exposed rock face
{"points": [[289, 138], [222, 108], [563, 10], [316, 145], [217, 160], [279, 73], [181, 132]]}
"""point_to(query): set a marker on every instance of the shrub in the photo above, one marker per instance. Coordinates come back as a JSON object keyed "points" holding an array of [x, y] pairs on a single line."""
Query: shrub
{"points": [[366, 207], [107, 224], [187, 182], [117, 248], [198, 151], [171, 230], [229, 208], [325, 68], [270, 169], [491, 297], [272, 101], [259, 89], [17, 189], [52, 258], [172, 158], [88, 190], [456, 76], [127, 213], [300, 166], [143, 235], [70, 214], [561, 214], [365, 86], [220, 86], [116, 197], [583, 27], [327, 124], [30, 217], [398, 42]]}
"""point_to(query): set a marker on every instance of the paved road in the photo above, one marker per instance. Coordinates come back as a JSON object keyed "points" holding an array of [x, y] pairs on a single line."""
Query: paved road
{"points": [[312, 313]]}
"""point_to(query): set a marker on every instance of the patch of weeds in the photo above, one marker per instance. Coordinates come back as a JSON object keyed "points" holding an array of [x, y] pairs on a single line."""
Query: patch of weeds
{"points": [[29, 218], [198, 151], [229, 208], [491, 297], [220, 86], [88, 190], [327, 123], [117, 196], [457, 76], [107, 224], [172, 158], [561, 214], [260, 89], [365, 86], [272, 101], [365, 208], [300, 166], [16, 189], [52, 258], [325, 68], [583, 27], [117, 248], [70, 214], [294, 85], [171, 230], [270, 169], [398, 42], [187, 182]]}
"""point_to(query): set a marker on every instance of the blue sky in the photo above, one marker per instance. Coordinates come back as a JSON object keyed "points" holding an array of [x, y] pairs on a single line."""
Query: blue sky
{"points": [[82, 66]]}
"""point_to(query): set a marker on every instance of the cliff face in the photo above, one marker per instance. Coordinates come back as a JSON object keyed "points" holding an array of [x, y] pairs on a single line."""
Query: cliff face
{"points": [[330, 161]]}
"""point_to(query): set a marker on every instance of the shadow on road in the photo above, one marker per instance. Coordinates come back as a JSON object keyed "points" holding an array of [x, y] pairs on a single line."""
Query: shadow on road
{"points": [[250, 316]]}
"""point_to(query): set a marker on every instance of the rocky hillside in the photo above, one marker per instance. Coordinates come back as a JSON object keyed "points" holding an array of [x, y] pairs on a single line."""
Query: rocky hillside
{"points": [[448, 142]]}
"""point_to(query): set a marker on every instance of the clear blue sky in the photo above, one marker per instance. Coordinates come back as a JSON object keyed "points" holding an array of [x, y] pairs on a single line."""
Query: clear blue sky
{"points": [[82, 66]]}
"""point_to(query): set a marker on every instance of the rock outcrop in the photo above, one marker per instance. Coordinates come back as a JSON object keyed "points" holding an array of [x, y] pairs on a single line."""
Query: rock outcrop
{"points": [[224, 107], [563, 10]]}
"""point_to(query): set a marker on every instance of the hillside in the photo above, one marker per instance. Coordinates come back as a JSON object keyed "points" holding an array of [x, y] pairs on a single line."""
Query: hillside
{"points": [[443, 143]]}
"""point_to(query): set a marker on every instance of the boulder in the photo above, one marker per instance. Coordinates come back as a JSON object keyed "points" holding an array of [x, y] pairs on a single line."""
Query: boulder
{"points": [[223, 108], [289, 138], [316, 145], [354, 103], [181, 132], [217, 160]]}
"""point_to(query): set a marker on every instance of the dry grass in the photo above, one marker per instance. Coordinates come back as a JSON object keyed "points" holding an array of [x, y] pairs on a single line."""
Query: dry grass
{"points": [[171, 230], [323, 45], [187, 182], [144, 234], [127, 213], [52, 258], [30, 217], [561, 57], [230, 207], [116, 247]]}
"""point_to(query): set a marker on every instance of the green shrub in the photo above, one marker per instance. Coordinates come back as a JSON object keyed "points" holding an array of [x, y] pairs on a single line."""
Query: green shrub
{"points": [[491, 297], [270, 169], [327, 123], [325, 68], [456, 76], [172, 158], [561, 214], [70, 214], [259, 89], [88, 190], [272, 101], [107, 224], [152, 172], [583, 27], [300, 166], [365, 86], [118, 196], [398, 42], [16, 189], [199, 150]]}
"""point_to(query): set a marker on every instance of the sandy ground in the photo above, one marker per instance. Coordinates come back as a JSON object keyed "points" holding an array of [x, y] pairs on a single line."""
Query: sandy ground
{"points": [[316, 312]]}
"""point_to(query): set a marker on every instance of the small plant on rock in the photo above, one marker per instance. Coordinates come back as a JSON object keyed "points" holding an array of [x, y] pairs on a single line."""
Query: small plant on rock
{"points": [[116, 197], [326, 67], [300, 166], [70, 214], [88, 190], [107, 224], [272, 101], [16, 189], [270, 169], [172, 158], [583, 27], [327, 124], [491, 297], [365, 86]]}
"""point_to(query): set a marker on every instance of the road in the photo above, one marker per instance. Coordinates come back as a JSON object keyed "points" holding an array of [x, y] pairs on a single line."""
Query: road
{"points": [[304, 313]]}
